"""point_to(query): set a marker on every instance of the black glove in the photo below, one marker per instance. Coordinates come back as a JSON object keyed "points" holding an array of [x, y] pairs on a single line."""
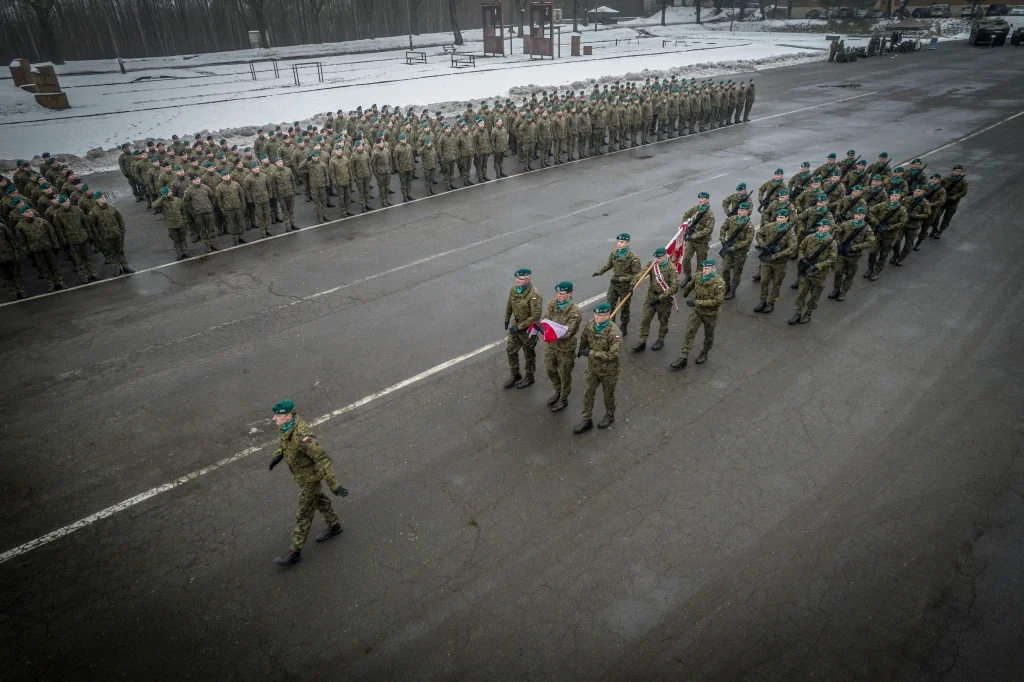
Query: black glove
{"points": [[340, 492], [506, 325], [584, 353], [596, 274], [811, 269], [514, 328], [274, 462], [654, 301], [614, 280], [690, 303]]}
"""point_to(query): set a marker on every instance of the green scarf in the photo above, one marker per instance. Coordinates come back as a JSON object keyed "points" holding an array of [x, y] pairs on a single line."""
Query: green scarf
{"points": [[821, 237], [621, 253], [702, 207], [776, 182], [707, 278], [742, 219], [893, 205], [858, 223], [781, 226], [521, 289], [285, 427], [600, 327], [562, 305]]}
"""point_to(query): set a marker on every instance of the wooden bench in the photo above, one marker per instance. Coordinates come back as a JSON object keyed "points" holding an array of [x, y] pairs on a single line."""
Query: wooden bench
{"points": [[412, 57], [461, 60], [449, 48]]}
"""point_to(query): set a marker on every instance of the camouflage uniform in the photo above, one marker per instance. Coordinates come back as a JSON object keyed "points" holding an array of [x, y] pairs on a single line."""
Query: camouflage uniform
{"points": [[482, 149], [380, 162], [526, 308], [199, 204], [110, 229], [956, 189], [257, 192], [918, 211], [824, 253], [340, 171], [499, 145], [625, 269], [658, 301], [428, 164], [604, 347], [560, 354], [74, 225], [41, 241], [852, 240], [309, 464], [773, 264], [231, 202], [699, 238], [708, 298], [885, 235], [172, 209], [318, 181], [735, 236], [362, 174], [285, 185], [10, 268], [404, 164]]}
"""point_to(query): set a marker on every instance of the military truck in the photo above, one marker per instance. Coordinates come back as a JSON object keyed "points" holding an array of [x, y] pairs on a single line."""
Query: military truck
{"points": [[989, 31]]}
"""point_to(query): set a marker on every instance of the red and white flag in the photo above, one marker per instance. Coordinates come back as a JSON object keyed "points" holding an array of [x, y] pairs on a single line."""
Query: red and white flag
{"points": [[676, 247], [550, 330]]}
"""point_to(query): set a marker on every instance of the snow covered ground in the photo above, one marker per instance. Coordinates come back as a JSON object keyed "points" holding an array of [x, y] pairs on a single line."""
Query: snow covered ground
{"points": [[187, 94]]}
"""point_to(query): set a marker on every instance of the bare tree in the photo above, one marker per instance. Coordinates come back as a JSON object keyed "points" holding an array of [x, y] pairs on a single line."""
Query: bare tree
{"points": [[259, 15], [575, 25], [414, 13], [697, 5], [44, 12], [519, 15], [664, 3], [455, 22]]}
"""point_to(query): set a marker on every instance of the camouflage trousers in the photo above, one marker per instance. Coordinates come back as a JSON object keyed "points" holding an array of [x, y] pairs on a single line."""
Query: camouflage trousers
{"points": [[205, 227], [10, 273], [364, 191], [287, 206], [319, 195], [47, 265], [480, 161], [499, 164], [526, 152], [663, 310], [560, 147], [732, 267], [559, 365], [846, 270], [597, 139], [809, 292], [737, 112], [384, 187], [528, 344], [465, 166], [234, 221], [772, 275], [405, 181], [747, 106], [428, 180], [615, 294], [714, 117], [311, 500], [607, 383], [691, 248], [944, 216], [696, 320], [178, 236], [113, 248], [262, 212], [878, 257], [81, 254], [905, 239]]}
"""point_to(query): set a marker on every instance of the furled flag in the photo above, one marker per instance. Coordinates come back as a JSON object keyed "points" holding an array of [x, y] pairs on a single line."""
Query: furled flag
{"points": [[675, 248], [552, 331]]}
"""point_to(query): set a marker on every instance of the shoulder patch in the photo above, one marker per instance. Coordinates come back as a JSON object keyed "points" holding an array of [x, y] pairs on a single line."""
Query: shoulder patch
{"points": [[307, 439]]}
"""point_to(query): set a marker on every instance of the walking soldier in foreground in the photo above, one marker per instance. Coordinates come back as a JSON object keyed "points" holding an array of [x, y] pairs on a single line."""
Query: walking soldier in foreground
{"points": [[525, 305], [709, 291], [625, 266], [560, 353], [601, 344], [817, 256], [664, 282], [309, 464]]}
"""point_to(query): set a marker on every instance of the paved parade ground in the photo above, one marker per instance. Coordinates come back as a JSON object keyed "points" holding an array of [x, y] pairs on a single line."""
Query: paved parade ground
{"points": [[839, 500]]}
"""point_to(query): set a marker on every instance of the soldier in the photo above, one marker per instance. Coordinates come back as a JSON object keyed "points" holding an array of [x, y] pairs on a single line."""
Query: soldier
{"points": [[560, 353], [856, 175], [897, 183], [936, 201], [809, 197], [309, 464], [125, 162], [284, 183], [110, 229], [601, 344], [701, 225], [230, 198], [481, 150], [428, 162], [800, 181], [339, 173], [709, 291], [918, 211], [817, 256], [661, 291], [199, 204], [625, 266], [41, 241], [361, 172], [173, 209], [956, 189], [769, 190], [527, 141], [886, 220], [404, 164], [880, 166], [559, 135], [380, 162], [257, 192], [736, 235], [731, 203], [775, 248], [825, 169], [853, 238], [525, 305], [833, 47], [10, 266], [269, 171], [835, 190], [499, 145]]}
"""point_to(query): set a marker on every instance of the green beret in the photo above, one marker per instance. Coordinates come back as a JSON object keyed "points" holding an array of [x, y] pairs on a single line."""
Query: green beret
{"points": [[745, 205], [898, 169], [62, 198], [659, 252], [916, 161], [782, 212], [624, 236], [284, 407], [935, 175], [427, 140], [709, 263], [860, 209], [165, 191], [22, 209], [740, 186], [862, 162], [402, 137], [958, 167], [223, 173], [263, 156], [816, 178], [254, 165], [563, 286], [314, 154], [208, 164], [524, 272], [44, 185], [876, 176], [856, 187], [824, 221], [97, 194], [703, 195], [602, 308], [779, 171], [883, 155], [783, 192], [851, 153], [832, 155], [822, 197], [805, 164]]}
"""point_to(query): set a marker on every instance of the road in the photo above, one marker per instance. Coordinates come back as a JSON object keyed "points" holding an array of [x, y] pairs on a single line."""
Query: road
{"points": [[839, 500]]}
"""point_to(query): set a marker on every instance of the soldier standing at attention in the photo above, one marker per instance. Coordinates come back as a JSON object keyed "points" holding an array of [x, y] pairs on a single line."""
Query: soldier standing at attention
{"points": [[709, 291], [748, 103], [231, 202], [560, 354], [698, 233], [404, 164], [956, 189], [199, 205], [109, 226], [72, 222], [625, 266], [499, 145], [664, 282], [174, 217], [361, 173], [601, 344], [41, 241], [524, 305], [817, 256], [380, 161], [309, 464]]}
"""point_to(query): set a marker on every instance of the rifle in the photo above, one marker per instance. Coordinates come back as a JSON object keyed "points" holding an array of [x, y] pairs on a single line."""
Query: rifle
{"points": [[883, 224], [954, 184], [772, 247], [882, 167], [727, 244], [842, 216], [768, 197], [847, 167], [688, 235], [872, 196], [828, 192], [804, 263], [844, 247], [732, 214]]}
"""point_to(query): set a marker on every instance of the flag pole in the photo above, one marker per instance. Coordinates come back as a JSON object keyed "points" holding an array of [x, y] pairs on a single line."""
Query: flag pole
{"points": [[644, 274]]}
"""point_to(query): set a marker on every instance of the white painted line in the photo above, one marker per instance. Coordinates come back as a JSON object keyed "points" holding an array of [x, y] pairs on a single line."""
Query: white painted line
{"points": [[964, 138], [242, 454], [396, 206]]}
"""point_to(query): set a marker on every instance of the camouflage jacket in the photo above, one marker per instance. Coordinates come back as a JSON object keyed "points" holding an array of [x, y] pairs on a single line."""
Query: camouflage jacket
{"points": [[319, 173], [918, 211], [668, 274], [605, 347], [785, 246], [571, 318], [230, 196], [627, 269], [8, 245], [305, 457], [894, 222], [958, 192], [173, 211], [428, 156], [853, 240], [825, 259], [404, 162], [704, 229], [731, 203], [107, 221], [257, 187], [743, 233], [199, 199], [361, 165], [525, 307], [708, 296], [72, 223], [340, 170], [37, 235], [380, 161], [284, 182]]}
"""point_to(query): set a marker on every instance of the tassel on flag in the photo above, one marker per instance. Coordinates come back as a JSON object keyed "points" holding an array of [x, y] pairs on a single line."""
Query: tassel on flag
{"points": [[550, 330], [676, 247]]}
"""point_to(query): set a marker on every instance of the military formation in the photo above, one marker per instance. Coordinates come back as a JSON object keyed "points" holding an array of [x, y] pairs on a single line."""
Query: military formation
{"points": [[825, 219]]}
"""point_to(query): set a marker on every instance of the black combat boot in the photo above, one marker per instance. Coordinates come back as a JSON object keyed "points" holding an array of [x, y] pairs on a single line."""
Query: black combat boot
{"points": [[806, 317], [658, 345], [554, 399], [756, 278], [834, 294], [730, 294], [678, 363], [526, 382], [841, 296], [606, 421], [795, 319], [769, 308], [584, 425], [702, 358], [288, 558], [329, 533], [640, 347], [625, 330], [560, 405], [759, 308], [513, 380], [795, 285]]}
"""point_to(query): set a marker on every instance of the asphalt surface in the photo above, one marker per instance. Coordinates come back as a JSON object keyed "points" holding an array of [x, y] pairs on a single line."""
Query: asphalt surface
{"points": [[839, 500]]}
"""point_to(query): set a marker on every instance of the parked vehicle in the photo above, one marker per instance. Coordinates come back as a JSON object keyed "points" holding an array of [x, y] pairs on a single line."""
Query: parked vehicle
{"points": [[989, 31], [875, 14], [997, 10], [932, 12], [1017, 11], [813, 14], [967, 12]]}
